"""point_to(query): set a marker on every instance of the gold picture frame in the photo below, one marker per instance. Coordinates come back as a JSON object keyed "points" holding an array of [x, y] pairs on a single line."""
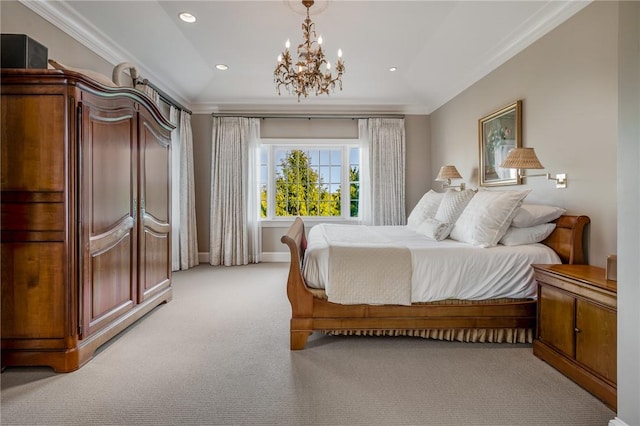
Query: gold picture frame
{"points": [[498, 133]]}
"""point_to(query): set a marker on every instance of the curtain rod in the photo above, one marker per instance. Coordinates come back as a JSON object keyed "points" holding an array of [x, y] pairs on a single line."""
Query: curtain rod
{"points": [[168, 99], [308, 116]]}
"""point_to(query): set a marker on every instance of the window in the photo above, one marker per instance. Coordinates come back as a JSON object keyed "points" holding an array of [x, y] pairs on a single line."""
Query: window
{"points": [[307, 178]]}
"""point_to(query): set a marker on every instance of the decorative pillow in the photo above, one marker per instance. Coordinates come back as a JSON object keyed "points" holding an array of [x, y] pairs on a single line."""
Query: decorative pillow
{"points": [[434, 229], [536, 214], [426, 208], [487, 217], [453, 203], [533, 234], [94, 75]]}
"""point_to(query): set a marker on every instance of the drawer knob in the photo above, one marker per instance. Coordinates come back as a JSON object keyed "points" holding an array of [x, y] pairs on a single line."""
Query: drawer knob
{"points": [[577, 330]]}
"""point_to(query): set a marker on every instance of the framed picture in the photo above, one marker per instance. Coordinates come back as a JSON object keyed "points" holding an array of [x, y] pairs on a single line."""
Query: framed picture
{"points": [[499, 132]]}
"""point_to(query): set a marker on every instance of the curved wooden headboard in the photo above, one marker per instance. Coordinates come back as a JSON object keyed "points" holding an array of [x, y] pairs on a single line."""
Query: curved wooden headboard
{"points": [[568, 239]]}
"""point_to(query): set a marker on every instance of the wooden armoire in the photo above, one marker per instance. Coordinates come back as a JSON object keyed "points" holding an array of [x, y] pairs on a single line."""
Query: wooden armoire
{"points": [[85, 225]]}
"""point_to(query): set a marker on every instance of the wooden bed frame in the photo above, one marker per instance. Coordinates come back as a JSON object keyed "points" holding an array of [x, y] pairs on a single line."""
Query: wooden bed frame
{"points": [[310, 313]]}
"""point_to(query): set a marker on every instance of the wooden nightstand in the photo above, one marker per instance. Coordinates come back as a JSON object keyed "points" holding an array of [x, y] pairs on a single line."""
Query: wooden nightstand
{"points": [[577, 326]]}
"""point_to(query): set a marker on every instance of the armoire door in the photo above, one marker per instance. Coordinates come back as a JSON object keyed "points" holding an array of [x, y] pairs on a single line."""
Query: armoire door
{"points": [[154, 263], [108, 206]]}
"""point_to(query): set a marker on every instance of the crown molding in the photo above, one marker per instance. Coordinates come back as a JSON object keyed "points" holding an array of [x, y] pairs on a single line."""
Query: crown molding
{"points": [[544, 21], [65, 18], [266, 108]]}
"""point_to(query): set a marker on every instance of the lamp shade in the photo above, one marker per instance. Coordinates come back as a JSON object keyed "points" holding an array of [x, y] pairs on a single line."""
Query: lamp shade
{"points": [[521, 158], [448, 172]]}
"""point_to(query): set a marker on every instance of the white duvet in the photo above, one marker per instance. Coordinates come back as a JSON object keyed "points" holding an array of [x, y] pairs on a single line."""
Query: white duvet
{"points": [[439, 270]]}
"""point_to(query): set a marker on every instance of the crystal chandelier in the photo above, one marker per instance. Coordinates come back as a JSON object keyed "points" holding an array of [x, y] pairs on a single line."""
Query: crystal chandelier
{"points": [[307, 75]]}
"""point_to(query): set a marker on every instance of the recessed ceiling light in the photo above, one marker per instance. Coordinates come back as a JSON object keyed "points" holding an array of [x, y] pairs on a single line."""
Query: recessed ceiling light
{"points": [[392, 69], [222, 67], [187, 17]]}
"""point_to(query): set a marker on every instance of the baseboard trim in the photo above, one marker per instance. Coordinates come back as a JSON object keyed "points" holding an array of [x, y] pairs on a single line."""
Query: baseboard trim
{"points": [[617, 422], [273, 256]]}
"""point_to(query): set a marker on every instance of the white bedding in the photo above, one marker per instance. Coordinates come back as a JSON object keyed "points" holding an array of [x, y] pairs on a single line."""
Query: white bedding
{"points": [[376, 272], [440, 269]]}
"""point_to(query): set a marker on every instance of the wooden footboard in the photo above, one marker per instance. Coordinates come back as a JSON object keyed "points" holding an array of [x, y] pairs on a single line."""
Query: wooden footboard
{"points": [[309, 313]]}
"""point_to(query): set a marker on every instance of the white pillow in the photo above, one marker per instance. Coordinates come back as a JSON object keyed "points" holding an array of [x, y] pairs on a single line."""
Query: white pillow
{"points": [[426, 208], [453, 203], [533, 234], [487, 217], [535, 214], [434, 229]]}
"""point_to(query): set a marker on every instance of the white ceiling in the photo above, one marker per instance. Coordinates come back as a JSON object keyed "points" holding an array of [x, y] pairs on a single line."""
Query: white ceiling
{"points": [[439, 47]]}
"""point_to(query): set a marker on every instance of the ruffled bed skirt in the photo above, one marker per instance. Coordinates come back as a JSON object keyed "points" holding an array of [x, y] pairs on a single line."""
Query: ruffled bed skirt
{"points": [[479, 335]]}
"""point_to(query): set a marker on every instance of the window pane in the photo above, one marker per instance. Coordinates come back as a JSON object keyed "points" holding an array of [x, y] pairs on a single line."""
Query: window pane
{"points": [[263, 174], [263, 200], [325, 174], [354, 156], [353, 210], [314, 155], [336, 156], [336, 174]]}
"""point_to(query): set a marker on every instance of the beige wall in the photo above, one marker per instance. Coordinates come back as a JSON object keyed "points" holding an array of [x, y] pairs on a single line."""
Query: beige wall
{"points": [[18, 19], [568, 83], [201, 126], [417, 162]]}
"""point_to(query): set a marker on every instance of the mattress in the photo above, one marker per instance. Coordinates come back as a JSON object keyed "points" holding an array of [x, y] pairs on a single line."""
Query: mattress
{"points": [[440, 270]]}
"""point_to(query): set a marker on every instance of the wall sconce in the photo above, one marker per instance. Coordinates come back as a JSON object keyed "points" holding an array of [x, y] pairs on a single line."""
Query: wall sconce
{"points": [[446, 174], [525, 158]]}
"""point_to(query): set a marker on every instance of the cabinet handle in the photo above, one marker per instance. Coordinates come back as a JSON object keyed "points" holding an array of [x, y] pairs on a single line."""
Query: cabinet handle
{"points": [[577, 330]]}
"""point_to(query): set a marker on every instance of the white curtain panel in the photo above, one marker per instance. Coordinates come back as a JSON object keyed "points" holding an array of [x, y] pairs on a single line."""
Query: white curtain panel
{"points": [[254, 231], [234, 231], [188, 231], [174, 117], [365, 211], [184, 238], [386, 157], [150, 92]]}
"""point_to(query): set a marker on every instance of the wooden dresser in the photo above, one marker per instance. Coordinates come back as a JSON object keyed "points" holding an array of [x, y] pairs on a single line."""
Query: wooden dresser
{"points": [[577, 326], [85, 229]]}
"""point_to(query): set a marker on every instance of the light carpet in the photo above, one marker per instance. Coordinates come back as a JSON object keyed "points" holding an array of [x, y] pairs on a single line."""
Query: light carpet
{"points": [[218, 354]]}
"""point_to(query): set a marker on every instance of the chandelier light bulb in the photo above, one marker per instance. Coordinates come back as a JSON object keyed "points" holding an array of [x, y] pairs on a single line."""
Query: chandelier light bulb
{"points": [[339, 53], [320, 40], [280, 58], [328, 65], [287, 44]]}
